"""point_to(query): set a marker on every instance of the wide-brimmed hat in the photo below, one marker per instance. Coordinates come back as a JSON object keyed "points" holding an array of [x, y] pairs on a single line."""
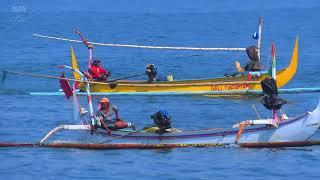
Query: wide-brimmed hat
{"points": [[104, 100]]}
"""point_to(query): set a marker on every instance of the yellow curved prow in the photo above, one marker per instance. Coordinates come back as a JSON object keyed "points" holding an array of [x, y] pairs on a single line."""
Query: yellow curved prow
{"points": [[74, 64], [284, 76]]}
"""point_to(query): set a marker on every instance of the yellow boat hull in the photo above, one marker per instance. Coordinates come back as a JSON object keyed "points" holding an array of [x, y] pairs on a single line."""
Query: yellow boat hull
{"points": [[204, 85]]}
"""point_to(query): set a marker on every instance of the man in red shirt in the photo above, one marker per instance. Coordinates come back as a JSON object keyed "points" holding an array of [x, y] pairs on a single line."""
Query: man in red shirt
{"points": [[97, 72]]}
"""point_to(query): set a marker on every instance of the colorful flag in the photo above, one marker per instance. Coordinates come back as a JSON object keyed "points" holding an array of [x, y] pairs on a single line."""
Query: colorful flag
{"points": [[255, 35], [76, 67], [273, 54], [273, 51], [65, 86]]}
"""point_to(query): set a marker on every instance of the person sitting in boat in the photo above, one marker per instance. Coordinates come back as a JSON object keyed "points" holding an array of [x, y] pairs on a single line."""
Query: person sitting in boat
{"points": [[151, 71], [254, 63], [105, 114], [97, 72], [162, 123]]}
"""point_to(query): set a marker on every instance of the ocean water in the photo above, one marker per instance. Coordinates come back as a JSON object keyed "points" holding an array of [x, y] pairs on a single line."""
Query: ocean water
{"points": [[203, 23]]}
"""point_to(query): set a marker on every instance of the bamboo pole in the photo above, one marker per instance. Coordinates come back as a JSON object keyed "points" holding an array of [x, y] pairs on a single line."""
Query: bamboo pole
{"points": [[259, 37], [142, 46]]}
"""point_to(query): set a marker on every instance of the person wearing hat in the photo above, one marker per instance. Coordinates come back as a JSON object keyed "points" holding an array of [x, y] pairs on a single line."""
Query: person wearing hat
{"points": [[97, 72], [105, 113]]}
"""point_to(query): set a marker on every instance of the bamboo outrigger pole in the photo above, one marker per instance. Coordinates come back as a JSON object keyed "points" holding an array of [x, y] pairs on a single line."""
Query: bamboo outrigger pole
{"points": [[142, 46]]}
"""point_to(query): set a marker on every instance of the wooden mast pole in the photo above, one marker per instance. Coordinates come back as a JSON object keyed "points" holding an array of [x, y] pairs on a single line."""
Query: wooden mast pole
{"points": [[259, 37]]}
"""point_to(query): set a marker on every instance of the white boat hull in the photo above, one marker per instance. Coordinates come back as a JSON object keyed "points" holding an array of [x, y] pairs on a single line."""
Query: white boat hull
{"points": [[301, 128]]}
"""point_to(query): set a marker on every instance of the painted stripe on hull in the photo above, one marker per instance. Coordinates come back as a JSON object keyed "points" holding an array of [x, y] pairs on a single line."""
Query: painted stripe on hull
{"points": [[161, 146], [234, 92], [190, 136]]}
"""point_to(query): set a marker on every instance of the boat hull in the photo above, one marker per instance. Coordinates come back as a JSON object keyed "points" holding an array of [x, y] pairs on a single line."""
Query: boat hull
{"points": [[299, 129], [286, 132], [204, 85]]}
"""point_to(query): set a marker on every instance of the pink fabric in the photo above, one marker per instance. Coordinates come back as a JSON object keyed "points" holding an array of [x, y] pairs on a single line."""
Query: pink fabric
{"points": [[275, 117], [273, 51]]}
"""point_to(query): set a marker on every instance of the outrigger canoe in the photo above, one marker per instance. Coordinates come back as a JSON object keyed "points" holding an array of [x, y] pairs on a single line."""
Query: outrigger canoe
{"points": [[295, 131], [223, 84]]}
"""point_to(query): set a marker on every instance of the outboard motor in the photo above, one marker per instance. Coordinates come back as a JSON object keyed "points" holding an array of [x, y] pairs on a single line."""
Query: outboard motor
{"points": [[271, 100], [254, 63], [162, 120], [151, 71]]}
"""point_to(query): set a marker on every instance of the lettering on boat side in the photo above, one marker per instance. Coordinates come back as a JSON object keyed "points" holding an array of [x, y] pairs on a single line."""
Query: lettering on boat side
{"points": [[191, 145], [229, 87]]}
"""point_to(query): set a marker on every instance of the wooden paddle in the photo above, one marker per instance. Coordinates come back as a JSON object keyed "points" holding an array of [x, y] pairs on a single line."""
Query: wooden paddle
{"points": [[130, 133], [113, 84], [118, 137]]}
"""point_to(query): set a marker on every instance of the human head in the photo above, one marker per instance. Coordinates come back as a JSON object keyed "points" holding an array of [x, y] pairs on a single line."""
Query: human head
{"points": [[96, 62], [104, 102]]}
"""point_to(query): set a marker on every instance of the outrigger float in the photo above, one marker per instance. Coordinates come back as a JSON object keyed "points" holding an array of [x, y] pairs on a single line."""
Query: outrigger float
{"points": [[246, 84], [268, 133]]}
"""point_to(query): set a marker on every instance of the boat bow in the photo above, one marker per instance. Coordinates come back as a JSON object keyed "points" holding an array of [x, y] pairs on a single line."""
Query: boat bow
{"points": [[314, 118], [284, 76]]}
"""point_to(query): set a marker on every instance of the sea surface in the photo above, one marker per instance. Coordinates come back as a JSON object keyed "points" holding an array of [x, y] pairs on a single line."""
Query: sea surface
{"points": [[203, 23]]}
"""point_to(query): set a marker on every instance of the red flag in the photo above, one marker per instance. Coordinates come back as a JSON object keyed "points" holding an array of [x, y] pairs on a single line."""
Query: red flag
{"points": [[65, 86], [273, 51], [76, 85]]}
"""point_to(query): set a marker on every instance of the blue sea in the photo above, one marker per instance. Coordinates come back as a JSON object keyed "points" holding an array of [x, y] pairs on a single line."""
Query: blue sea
{"points": [[202, 23]]}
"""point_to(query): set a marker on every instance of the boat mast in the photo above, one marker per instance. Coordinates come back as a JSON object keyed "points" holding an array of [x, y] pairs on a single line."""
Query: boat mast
{"points": [[273, 68], [83, 77], [259, 37]]}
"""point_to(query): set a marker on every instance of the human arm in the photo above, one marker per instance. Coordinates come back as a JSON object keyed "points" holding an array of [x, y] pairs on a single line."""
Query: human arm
{"points": [[100, 118], [90, 57], [104, 126], [84, 40], [116, 111], [86, 43]]}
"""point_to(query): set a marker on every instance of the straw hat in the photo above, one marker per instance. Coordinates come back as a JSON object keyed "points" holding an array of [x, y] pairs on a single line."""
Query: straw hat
{"points": [[104, 100]]}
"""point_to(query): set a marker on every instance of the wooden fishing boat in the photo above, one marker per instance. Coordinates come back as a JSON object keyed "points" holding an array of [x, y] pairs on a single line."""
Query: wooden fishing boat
{"points": [[223, 85], [259, 133], [239, 85]]}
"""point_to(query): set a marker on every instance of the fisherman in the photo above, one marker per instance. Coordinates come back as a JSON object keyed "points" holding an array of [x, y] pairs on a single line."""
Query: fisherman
{"points": [[104, 116], [162, 123], [97, 72], [151, 71], [254, 63]]}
